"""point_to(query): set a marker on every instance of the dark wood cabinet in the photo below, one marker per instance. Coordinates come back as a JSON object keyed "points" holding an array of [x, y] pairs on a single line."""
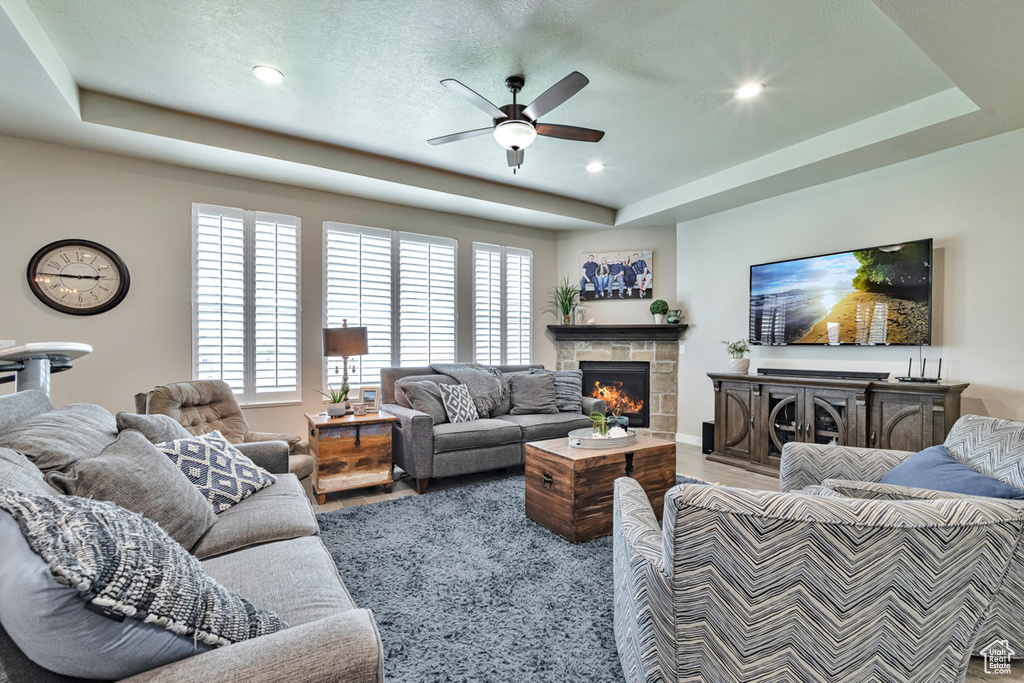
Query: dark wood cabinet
{"points": [[756, 416]]}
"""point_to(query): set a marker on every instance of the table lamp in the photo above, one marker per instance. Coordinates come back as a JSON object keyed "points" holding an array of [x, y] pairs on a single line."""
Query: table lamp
{"points": [[345, 341]]}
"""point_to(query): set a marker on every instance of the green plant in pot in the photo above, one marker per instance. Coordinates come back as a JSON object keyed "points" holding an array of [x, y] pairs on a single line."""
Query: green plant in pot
{"points": [[659, 307], [561, 300], [601, 425], [737, 351], [337, 405]]}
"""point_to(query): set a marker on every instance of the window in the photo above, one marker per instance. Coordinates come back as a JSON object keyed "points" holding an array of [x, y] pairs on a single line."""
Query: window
{"points": [[502, 282], [245, 302], [398, 285]]}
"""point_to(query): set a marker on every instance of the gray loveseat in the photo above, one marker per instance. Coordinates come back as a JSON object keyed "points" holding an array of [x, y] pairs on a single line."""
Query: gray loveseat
{"points": [[426, 450], [266, 548]]}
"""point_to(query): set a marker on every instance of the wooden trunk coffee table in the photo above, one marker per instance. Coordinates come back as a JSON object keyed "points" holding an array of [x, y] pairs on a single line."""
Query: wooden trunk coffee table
{"points": [[571, 490], [350, 452]]}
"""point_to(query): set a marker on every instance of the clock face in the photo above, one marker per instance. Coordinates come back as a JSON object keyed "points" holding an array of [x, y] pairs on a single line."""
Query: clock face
{"points": [[78, 277]]}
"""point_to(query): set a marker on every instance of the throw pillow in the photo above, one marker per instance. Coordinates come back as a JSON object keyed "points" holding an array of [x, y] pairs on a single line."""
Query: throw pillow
{"points": [[426, 397], [18, 473], [533, 394], [505, 406], [568, 388], [135, 474], [121, 566], [458, 404], [217, 469], [50, 627], [156, 428], [936, 469], [55, 439]]}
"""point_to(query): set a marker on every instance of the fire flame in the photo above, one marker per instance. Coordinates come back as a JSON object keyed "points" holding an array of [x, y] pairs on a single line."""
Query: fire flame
{"points": [[615, 397]]}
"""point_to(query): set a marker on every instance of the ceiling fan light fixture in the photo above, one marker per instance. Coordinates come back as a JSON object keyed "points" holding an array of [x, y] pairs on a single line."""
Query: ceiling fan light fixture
{"points": [[267, 74], [745, 92], [595, 167], [515, 134]]}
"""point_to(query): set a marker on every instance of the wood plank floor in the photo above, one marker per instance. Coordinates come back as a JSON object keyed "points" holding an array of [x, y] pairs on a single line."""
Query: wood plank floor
{"points": [[689, 461]]}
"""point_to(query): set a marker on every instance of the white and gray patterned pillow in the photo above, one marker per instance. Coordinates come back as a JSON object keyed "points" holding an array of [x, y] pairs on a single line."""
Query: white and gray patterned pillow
{"points": [[568, 389], [217, 469], [458, 403]]}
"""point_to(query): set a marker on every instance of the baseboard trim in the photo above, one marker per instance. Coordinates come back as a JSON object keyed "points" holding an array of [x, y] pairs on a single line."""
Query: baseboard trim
{"points": [[688, 439]]}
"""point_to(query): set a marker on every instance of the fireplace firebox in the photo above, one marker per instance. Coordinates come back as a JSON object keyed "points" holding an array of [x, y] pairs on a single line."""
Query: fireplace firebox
{"points": [[625, 385]]}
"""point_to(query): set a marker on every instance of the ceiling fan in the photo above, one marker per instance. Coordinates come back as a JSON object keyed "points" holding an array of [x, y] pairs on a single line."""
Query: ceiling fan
{"points": [[515, 126]]}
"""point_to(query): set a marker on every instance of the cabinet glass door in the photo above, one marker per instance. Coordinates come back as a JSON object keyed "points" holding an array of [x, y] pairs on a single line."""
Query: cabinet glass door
{"points": [[829, 421], [785, 421]]}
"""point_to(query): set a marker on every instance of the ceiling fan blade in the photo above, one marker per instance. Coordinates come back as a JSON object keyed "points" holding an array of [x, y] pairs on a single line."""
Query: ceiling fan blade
{"points": [[555, 95], [553, 130], [474, 98], [514, 156], [455, 137]]}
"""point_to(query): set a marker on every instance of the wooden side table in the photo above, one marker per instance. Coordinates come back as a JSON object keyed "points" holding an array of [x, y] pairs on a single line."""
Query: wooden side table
{"points": [[351, 452]]}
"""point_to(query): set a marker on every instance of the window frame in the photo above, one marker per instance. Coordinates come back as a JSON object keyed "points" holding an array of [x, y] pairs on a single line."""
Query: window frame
{"points": [[503, 252]]}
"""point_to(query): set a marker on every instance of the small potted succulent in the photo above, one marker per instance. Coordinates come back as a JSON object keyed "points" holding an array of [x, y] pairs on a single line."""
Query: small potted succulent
{"points": [[601, 425], [337, 403], [659, 307], [737, 350]]}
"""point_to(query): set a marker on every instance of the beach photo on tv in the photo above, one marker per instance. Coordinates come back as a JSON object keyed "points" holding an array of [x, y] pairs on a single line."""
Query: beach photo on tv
{"points": [[880, 295]]}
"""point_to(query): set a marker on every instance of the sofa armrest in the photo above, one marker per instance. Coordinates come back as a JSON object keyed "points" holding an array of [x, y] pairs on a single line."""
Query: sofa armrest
{"points": [[594, 405], [805, 464], [270, 455], [344, 647], [295, 443], [643, 596], [412, 446]]}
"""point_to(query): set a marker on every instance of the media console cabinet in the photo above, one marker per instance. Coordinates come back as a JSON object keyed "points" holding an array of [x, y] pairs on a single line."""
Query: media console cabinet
{"points": [[756, 415]]}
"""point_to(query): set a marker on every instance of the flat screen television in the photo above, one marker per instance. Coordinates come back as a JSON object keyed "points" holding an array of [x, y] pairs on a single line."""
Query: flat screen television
{"points": [[881, 295]]}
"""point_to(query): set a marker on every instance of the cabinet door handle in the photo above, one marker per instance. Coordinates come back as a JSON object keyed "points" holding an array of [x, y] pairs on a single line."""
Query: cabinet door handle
{"points": [[872, 437], [751, 419], [799, 429], [807, 430]]}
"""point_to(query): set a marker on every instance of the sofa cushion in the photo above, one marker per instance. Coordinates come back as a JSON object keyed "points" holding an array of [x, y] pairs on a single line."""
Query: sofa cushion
{"points": [[22, 405], [993, 447], [156, 428], [458, 404], [425, 396], [505, 406], [403, 400], [54, 440], [276, 513], [568, 389], [540, 427], [474, 434], [533, 394], [133, 473], [18, 473], [936, 469], [297, 579]]}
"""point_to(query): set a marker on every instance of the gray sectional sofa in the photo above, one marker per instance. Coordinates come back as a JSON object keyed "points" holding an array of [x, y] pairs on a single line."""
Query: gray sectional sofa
{"points": [[425, 450], [266, 548]]}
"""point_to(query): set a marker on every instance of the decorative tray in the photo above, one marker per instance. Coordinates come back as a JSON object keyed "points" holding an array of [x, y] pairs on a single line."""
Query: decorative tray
{"points": [[584, 438]]}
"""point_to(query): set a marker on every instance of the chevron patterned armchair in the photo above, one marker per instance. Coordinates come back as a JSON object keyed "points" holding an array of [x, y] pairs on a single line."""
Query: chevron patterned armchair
{"points": [[757, 586], [992, 446]]}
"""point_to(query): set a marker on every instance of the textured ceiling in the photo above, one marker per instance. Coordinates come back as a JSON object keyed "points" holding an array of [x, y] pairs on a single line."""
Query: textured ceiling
{"points": [[365, 75]]}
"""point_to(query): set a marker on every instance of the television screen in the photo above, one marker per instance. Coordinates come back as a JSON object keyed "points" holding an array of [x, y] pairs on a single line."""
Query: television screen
{"points": [[880, 295]]}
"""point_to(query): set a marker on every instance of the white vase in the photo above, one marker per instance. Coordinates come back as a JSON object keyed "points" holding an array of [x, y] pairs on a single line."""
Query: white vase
{"points": [[337, 409], [740, 365], [659, 318]]}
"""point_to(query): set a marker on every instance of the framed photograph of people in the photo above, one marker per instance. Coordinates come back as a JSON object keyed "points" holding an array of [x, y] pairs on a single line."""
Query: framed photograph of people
{"points": [[626, 274]]}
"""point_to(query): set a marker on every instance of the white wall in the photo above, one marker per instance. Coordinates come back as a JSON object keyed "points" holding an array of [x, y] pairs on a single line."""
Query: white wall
{"points": [[969, 198], [142, 210]]}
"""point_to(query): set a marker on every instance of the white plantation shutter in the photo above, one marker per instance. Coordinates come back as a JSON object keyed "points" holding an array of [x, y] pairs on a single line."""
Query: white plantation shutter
{"points": [[426, 299], [245, 309], [518, 305], [357, 289], [487, 304], [502, 281]]}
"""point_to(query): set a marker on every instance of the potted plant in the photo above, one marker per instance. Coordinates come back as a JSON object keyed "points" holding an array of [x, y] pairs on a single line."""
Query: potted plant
{"points": [[561, 300], [601, 425], [659, 307], [337, 403], [737, 350]]}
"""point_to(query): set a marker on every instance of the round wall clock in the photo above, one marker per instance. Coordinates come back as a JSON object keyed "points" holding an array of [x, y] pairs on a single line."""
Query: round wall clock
{"points": [[78, 277]]}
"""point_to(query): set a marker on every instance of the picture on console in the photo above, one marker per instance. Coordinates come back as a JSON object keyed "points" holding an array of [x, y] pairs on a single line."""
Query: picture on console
{"points": [[880, 295], [617, 275]]}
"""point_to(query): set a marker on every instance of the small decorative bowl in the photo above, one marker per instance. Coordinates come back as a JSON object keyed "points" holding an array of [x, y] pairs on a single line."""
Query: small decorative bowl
{"points": [[359, 408]]}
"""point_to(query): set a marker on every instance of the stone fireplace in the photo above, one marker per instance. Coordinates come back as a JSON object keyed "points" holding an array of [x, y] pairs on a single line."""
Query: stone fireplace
{"points": [[656, 346], [623, 385]]}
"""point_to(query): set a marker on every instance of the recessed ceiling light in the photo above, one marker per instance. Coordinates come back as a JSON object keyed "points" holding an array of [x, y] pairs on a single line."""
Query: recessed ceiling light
{"points": [[267, 74], [595, 167], [749, 90]]}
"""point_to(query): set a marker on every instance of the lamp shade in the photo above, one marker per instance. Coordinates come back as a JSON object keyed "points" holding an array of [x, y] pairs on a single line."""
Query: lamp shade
{"points": [[345, 341]]}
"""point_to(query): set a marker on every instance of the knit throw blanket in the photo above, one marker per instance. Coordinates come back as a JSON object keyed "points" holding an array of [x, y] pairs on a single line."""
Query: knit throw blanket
{"points": [[486, 385], [128, 566]]}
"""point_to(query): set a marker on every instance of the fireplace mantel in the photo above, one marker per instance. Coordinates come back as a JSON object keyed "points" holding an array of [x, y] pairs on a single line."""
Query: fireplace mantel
{"points": [[617, 332]]}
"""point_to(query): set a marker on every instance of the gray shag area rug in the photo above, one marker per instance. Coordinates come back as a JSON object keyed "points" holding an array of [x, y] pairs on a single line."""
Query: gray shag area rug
{"points": [[464, 587]]}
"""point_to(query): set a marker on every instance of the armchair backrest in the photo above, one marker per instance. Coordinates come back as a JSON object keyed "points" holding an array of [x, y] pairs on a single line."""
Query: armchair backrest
{"points": [[200, 406], [992, 446], [796, 585]]}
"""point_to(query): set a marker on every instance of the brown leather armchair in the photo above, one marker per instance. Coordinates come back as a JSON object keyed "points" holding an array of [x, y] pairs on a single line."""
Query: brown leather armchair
{"points": [[202, 406]]}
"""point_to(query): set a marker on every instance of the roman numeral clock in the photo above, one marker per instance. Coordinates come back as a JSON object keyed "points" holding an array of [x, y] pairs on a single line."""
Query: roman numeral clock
{"points": [[78, 277]]}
